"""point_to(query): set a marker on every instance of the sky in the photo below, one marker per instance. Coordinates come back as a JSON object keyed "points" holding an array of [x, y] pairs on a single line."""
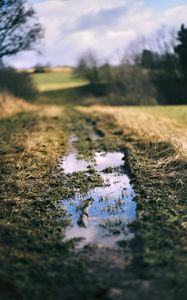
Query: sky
{"points": [[106, 26]]}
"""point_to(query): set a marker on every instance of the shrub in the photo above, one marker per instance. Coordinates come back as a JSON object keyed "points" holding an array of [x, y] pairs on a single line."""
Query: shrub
{"points": [[88, 68], [131, 85], [42, 68], [171, 89], [18, 84]]}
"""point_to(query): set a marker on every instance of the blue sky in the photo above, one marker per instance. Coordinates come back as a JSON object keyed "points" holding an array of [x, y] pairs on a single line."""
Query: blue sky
{"points": [[160, 5], [106, 26]]}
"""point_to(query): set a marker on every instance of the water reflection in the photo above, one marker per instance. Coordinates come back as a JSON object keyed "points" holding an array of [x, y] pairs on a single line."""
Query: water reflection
{"points": [[108, 160], [72, 164], [101, 216]]}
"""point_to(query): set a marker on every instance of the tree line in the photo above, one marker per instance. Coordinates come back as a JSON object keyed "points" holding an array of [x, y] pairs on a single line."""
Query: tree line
{"points": [[151, 71]]}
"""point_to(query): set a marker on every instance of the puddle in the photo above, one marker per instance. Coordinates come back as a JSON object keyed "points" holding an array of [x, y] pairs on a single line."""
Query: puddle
{"points": [[100, 216], [104, 160], [72, 164]]}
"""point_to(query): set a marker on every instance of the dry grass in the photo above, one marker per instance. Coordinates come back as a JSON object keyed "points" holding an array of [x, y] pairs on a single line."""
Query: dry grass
{"points": [[31, 140], [156, 143], [10, 105], [149, 124]]}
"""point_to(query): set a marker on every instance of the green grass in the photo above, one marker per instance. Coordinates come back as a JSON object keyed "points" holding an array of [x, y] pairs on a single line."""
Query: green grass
{"points": [[57, 80], [49, 78]]}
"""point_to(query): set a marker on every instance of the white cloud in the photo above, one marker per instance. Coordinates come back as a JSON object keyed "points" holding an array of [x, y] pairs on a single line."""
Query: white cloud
{"points": [[72, 26]]}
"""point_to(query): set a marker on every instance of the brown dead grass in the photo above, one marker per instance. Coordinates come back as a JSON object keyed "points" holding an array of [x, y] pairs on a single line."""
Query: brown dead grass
{"points": [[10, 105], [147, 125], [156, 143], [31, 140]]}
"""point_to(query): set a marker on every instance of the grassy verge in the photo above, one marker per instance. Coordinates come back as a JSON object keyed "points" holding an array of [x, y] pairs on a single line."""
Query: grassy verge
{"points": [[10, 105], [31, 232], [35, 261], [157, 159]]}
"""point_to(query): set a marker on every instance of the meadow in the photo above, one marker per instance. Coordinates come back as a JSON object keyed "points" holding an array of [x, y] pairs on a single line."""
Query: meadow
{"points": [[153, 264], [57, 80]]}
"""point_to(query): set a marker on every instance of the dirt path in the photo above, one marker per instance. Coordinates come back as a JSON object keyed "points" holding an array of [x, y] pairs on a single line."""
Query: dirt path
{"points": [[39, 260], [136, 269], [97, 271]]}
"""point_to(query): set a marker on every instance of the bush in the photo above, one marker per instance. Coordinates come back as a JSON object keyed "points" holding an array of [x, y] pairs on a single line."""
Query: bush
{"points": [[18, 84], [131, 85], [88, 68], [171, 90], [123, 84], [42, 68]]}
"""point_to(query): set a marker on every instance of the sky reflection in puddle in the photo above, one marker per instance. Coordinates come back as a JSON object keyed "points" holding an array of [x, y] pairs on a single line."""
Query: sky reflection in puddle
{"points": [[72, 164], [102, 215]]}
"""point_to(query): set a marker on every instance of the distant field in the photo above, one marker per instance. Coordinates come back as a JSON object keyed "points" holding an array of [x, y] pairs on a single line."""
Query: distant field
{"points": [[57, 80]]}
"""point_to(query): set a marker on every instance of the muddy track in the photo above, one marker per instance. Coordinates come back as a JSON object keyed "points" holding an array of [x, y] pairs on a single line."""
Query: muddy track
{"points": [[111, 273], [56, 260], [104, 265], [105, 270]]}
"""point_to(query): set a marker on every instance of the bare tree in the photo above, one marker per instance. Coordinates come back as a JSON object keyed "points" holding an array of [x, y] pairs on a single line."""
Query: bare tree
{"points": [[164, 40], [19, 27], [88, 67]]}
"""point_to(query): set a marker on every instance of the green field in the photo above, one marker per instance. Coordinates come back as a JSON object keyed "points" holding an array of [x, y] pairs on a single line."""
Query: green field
{"points": [[36, 260], [59, 80]]}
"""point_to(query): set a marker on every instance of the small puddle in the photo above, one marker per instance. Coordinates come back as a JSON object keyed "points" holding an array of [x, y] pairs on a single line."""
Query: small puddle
{"points": [[72, 164], [100, 216]]}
